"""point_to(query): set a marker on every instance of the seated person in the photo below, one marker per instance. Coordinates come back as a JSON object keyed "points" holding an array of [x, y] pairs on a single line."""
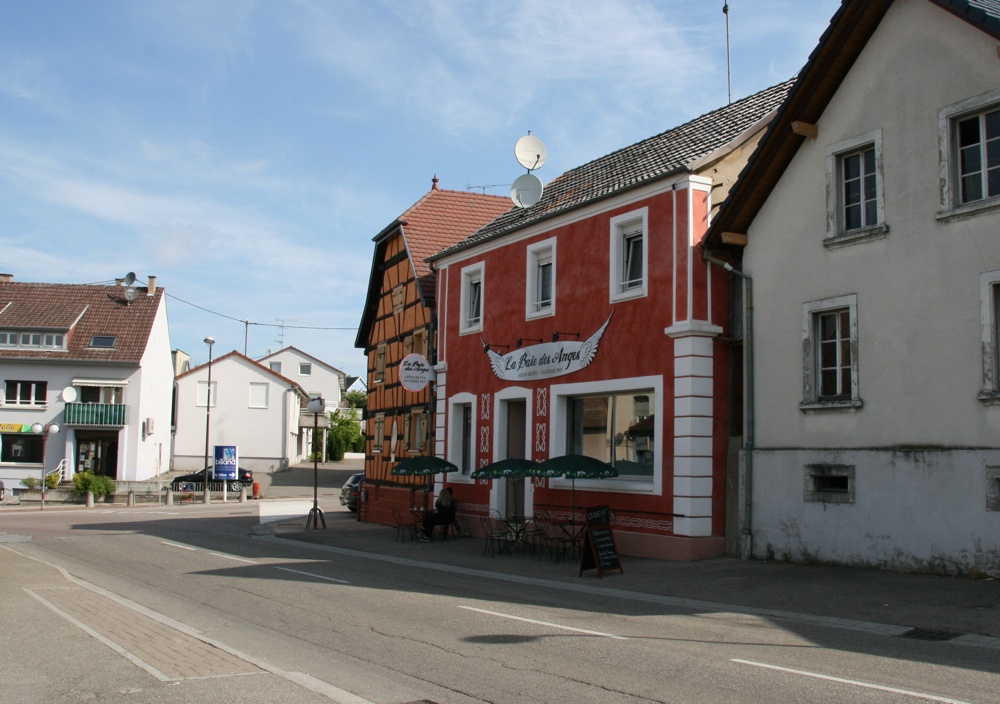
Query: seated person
{"points": [[443, 514]]}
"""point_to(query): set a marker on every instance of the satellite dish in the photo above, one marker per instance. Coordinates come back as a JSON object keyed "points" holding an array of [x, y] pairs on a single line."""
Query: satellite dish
{"points": [[131, 294], [68, 394], [530, 152], [130, 278], [526, 191]]}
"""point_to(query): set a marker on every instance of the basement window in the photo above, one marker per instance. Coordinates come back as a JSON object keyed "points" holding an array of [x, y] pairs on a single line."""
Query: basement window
{"points": [[829, 483], [993, 488]]}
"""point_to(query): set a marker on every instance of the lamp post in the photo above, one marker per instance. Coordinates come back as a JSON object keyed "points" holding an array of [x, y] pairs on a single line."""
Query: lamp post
{"points": [[316, 406], [44, 430], [208, 416]]}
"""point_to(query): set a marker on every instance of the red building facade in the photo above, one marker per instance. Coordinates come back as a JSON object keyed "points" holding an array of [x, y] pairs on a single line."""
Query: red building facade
{"points": [[589, 324]]}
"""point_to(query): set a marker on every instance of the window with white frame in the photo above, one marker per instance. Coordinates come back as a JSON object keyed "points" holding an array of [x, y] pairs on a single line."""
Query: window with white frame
{"points": [[541, 279], [101, 394], [461, 432], [203, 394], [855, 206], [415, 431], [275, 367], [472, 299], [44, 340], [258, 395], [305, 369], [989, 300], [629, 255], [830, 334], [618, 428], [18, 392], [969, 132]]}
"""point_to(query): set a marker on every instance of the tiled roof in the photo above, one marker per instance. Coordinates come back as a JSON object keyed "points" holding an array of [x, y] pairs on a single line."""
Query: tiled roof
{"points": [[439, 220], [667, 153], [236, 356], [80, 311]]}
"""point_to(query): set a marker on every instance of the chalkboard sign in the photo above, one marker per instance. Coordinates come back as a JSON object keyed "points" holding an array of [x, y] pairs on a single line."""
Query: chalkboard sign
{"points": [[599, 551]]}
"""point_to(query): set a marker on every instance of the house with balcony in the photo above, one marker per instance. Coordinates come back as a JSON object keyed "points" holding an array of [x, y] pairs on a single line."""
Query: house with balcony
{"points": [[250, 406], [868, 222], [87, 374]]}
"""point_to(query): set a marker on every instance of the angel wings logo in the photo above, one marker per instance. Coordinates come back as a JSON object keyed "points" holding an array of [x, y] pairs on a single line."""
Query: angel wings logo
{"points": [[546, 360]]}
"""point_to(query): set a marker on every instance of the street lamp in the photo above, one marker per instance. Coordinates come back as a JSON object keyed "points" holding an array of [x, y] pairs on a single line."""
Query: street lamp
{"points": [[208, 415], [44, 430], [316, 406]]}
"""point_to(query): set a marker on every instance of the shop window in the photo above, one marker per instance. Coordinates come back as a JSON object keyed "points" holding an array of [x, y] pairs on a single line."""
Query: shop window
{"points": [[21, 448]]}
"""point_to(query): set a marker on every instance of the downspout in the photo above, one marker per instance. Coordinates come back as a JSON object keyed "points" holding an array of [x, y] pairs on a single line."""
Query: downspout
{"points": [[746, 548], [432, 387]]}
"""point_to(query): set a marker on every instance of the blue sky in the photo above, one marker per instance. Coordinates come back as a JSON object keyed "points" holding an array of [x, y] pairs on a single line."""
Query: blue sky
{"points": [[246, 152]]}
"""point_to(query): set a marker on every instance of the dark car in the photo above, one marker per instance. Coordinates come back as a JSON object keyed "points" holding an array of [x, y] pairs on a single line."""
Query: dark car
{"points": [[245, 479], [350, 491]]}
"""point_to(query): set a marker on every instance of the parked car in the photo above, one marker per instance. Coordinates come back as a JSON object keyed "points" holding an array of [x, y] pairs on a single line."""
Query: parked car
{"points": [[245, 478], [351, 490]]}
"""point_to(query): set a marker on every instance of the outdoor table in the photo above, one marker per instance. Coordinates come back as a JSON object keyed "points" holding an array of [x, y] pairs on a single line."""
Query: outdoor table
{"points": [[515, 528], [574, 537]]}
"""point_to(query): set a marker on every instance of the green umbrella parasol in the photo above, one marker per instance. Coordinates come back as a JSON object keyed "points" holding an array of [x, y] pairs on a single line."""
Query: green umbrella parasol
{"points": [[574, 467], [423, 465], [509, 467]]}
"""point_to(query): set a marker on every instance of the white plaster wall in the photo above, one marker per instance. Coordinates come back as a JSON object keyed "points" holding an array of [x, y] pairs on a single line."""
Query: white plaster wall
{"points": [[324, 379], [262, 434], [150, 395], [912, 510]]}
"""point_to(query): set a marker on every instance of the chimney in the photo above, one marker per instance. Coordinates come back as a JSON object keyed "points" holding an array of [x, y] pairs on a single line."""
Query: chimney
{"points": [[434, 183], [6, 278], [151, 286]]}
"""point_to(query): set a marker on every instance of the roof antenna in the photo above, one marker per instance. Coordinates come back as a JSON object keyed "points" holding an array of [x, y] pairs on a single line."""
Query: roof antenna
{"points": [[729, 68]]}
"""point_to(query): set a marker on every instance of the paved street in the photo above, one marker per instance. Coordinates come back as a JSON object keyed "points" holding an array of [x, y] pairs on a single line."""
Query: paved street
{"points": [[223, 603]]}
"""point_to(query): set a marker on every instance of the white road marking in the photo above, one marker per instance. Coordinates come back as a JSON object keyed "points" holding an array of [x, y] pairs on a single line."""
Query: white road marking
{"points": [[856, 683], [310, 574], [544, 623], [231, 557], [175, 545]]}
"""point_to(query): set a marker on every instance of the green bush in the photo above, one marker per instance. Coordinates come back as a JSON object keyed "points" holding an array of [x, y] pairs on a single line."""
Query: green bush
{"points": [[52, 480], [31, 483], [96, 484]]}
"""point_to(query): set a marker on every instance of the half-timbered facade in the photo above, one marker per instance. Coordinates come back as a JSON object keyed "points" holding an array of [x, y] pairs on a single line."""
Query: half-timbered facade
{"points": [[399, 321]]}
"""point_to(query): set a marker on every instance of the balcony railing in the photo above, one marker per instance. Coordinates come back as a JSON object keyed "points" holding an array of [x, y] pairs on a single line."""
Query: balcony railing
{"points": [[107, 415]]}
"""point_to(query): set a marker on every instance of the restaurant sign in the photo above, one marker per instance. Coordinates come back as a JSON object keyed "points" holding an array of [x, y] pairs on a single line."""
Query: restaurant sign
{"points": [[546, 360], [415, 372], [15, 428]]}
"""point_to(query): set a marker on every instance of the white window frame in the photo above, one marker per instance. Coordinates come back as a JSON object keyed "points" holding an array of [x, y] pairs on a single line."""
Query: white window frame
{"points": [[305, 368], [948, 118], [275, 367], [259, 395], [456, 407], [472, 276], [622, 227], [561, 395], [202, 393], [836, 232], [38, 393], [540, 254], [811, 400], [989, 291]]}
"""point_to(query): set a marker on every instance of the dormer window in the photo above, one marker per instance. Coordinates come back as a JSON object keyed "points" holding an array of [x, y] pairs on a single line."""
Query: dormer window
{"points": [[35, 340], [105, 342]]}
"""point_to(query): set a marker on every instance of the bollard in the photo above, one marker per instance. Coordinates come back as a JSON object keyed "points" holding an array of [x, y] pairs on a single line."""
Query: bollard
{"points": [[90, 499], [256, 490], [131, 499], [243, 494], [170, 496]]}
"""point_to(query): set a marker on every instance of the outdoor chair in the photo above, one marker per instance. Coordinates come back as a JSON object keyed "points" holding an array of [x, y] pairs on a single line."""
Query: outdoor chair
{"points": [[496, 536], [405, 522]]}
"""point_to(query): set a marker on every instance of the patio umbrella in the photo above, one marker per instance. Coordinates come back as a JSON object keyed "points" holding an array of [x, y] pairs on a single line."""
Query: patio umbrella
{"points": [[509, 467], [423, 465], [574, 467]]}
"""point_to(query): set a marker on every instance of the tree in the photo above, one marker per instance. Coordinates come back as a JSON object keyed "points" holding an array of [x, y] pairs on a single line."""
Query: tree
{"points": [[356, 399], [345, 436]]}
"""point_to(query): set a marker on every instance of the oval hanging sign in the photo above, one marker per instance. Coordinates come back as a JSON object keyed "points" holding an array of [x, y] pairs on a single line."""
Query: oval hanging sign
{"points": [[415, 372]]}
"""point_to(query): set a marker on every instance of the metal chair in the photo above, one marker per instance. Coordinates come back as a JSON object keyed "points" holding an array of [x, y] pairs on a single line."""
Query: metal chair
{"points": [[496, 536]]}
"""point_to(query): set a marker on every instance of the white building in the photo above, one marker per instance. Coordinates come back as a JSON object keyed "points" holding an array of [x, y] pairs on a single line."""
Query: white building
{"points": [[252, 407], [870, 216], [86, 380]]}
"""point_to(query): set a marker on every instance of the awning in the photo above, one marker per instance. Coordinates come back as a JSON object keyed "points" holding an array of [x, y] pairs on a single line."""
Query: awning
{"points": [[100, 382]]}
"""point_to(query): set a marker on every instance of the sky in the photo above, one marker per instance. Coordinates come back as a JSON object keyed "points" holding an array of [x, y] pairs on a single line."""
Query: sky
{"points": [[247, 152]]}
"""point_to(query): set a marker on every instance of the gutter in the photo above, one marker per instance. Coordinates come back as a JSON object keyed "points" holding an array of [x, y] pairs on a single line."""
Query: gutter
{"points": [[746, 546]]}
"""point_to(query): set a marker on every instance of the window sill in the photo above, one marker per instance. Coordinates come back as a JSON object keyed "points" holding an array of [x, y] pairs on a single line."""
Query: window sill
{"points": [[989, 398], [824, 406], [867, 234], [967, 210]]}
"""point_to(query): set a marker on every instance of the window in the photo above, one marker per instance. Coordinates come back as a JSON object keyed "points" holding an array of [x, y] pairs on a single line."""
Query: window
{"points": [[628, 255], [415, 431], [461, 432], [617, 428], [855, 209], [969, 132], [102, 394], [25, 393], [103, 341], [305, 369], [258, 395], [378, 435], [380, 362], [21, 448], [472, 299], [541, 279], [989, 301], [44, 340], [830, 331], [421, 342], [829, 483], [275, 367], [202, 399], [398, 299]]}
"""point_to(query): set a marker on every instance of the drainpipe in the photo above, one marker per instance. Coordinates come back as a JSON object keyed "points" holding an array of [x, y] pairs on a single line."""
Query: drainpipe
{"points": [[746, 547]]}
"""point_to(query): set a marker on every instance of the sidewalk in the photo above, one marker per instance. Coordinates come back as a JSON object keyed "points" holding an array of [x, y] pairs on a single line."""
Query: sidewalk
{"points": [[954, 609]]}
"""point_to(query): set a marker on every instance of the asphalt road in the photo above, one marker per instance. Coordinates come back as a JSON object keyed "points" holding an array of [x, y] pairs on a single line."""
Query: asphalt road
{"points": [[180, 604]]}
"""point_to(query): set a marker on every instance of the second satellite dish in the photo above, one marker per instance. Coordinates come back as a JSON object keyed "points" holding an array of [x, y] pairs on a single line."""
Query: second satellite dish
{"points": [[526, 191], [530, 152]]}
